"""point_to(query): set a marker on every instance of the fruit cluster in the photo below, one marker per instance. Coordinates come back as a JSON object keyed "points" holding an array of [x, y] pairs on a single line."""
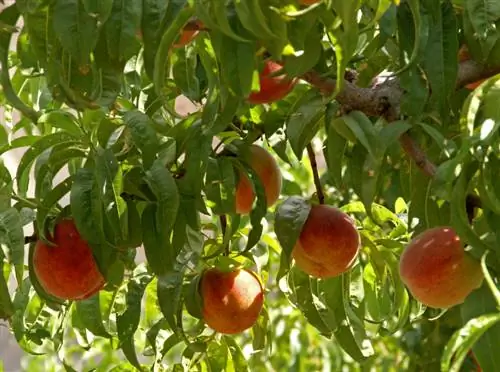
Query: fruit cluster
{"points": [[434, 266]]}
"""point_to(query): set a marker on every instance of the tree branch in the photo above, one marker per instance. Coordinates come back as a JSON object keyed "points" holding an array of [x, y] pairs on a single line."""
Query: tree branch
{"points": [[384, 99]]}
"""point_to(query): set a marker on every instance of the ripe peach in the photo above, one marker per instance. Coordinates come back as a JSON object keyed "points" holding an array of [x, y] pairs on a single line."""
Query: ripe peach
{"points": [[266, 168], [328, 243], [67, 270], [272, 88], [188, 34], [232, 301], [437, 270]]}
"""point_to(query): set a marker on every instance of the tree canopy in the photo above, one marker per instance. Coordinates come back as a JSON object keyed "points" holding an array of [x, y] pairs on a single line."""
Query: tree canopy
{"points": [[329, 204]]}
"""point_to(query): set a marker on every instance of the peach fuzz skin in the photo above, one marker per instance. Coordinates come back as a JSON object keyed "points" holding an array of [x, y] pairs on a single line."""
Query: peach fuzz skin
{"points": [[232, 301], [67, 270], [266, 168], [272, 88], [328, 243], [436, 269]]}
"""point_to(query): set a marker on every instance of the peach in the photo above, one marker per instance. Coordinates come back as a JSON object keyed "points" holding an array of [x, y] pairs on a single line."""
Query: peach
{"points": [[188, 34], [328, 243], [436, 269], [272, 88], [266, 168], [67, 269], [232, 300]]}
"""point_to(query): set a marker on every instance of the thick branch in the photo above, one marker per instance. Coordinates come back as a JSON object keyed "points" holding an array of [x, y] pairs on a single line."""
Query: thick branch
{"points": [[384, 100]]}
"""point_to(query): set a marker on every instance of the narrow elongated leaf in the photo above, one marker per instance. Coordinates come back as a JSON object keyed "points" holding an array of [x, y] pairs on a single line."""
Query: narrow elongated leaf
{"points": [[44, 143], [304, 121], [237, 76], [6, 306], [89, 312], [300, 283], [128, 321], [12, 236], [76, 29], [163, 185], [239, 361], [121, 29], [144, 135], [167, 40], [477, 303], [109, 180], [153, 12], [100, 8], [441, 47], [462, 340], [169, 289], [221, 185], [290, 217], [159, 252]]}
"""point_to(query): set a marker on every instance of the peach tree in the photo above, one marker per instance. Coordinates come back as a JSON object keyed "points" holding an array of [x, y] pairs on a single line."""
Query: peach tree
{"points": [[328, 202]]}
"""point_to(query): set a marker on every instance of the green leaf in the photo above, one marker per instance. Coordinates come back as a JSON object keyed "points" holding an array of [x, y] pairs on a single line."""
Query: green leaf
{"points": [[305, 119], [36, 149], [109, 180], [89, 312], [218, 354], [300, 284], [163, 185], [253, 18], [441, 48], [334, 151], [87, 211], [76, 29], [159, 253], [290, 217], [153, 12], [343, 33], [419, 34], [236, 76], [128, 321], [169, 289], [143, 134], [121, 29], [100, 8], [239, 361], [481, 302], [62, 120], [48, 202], [220, 185], [162, 52], [6, 306], [184, 73], [12, 237], [459, 217], [462, 340], [193, 299], [412, 40]]}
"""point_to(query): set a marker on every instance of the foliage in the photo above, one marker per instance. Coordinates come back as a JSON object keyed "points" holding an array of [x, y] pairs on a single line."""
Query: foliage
{"points": [[96, 83]]}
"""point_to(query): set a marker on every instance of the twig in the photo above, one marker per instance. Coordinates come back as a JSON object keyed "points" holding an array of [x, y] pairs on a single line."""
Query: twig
{"points": [[30, 239], [314, 166], [223, 226]]}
